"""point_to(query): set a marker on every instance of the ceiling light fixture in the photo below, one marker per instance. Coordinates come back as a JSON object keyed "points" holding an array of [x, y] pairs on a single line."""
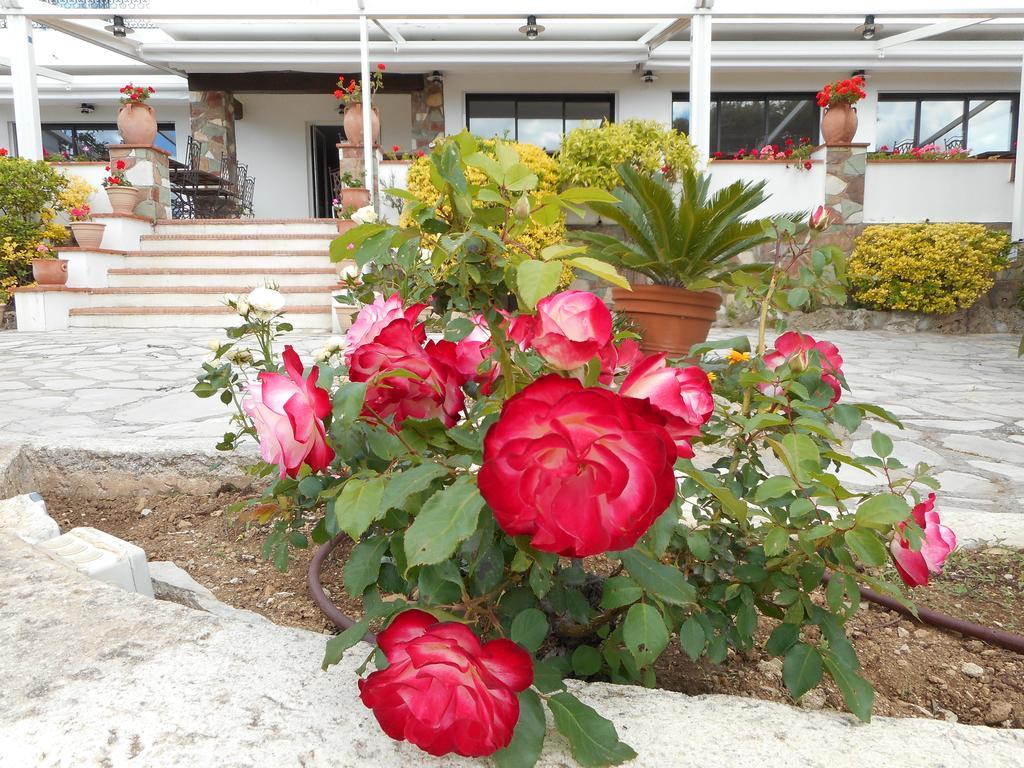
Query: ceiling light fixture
{"points": [[87, 109], [435, 78], [531, 29], [648, 76], [869, 30], [119, 28]]}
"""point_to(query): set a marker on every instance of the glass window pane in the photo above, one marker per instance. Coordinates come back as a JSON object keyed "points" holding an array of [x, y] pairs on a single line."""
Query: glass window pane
{"points": [[540, 123], [741, 123], [791, 119], [165, 138], [990, 125], [894, 123], [56, 140], [681, 116], [492, 118], [595, 111], [92, 141], [940, 120]]}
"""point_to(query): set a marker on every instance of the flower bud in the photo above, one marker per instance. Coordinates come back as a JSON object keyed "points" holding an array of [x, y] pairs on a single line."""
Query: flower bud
{"points": [[820, 219], [522, 209], [213, 345]]}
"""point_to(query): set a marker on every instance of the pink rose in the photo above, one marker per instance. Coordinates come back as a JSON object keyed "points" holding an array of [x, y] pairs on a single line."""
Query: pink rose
{"points": [[445, 691], [793, 347], [467, 356], [386, 362], [571, 328], [288, 413], [939, 541], [617, 359], [580, 470], [373, 318], [683, 395]]}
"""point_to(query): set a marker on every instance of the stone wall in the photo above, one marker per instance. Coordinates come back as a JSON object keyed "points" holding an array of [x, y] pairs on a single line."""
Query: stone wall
{"points": [[213, 126], [148, 171], [427, 115]]}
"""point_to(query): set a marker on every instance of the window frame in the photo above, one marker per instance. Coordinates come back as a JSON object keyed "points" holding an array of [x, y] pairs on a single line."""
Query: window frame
{"points": [[765, 96], [516, 98], [74, 128], [966, 97]]}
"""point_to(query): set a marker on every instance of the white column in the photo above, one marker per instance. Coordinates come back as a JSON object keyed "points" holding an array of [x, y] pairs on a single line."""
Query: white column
{"points": [[26, 97], [700, 85], [366, 87], [1018, 168]]}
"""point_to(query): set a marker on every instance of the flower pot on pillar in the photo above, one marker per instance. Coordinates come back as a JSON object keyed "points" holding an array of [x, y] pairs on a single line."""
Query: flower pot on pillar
{"points": [[839, 124], [137, 124], [353, 122], [355, 197], [123, 199], [88, 234], [50, 271]]}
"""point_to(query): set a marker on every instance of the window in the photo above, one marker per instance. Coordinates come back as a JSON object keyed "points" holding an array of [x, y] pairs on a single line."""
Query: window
{"points": [[90, 140], [981, 122], [534, 118], [752, 120]]}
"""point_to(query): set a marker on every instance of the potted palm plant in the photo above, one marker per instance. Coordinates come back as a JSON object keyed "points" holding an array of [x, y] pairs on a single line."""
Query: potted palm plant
{"points": [[685, 242]]}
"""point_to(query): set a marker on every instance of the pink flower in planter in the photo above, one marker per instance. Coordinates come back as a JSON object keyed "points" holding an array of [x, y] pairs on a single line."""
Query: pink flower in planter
{"points": [[682, 395], [288, 413], [793, 348], [939, 541], [375, 317]]}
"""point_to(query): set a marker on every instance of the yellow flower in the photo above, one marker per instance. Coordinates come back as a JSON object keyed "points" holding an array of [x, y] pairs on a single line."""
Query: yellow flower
{"points": [[712, 376], [735, 356]]}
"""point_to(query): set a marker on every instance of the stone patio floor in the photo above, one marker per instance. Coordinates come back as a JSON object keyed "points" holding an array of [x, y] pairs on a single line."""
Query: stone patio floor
{"points": [[961, 399]]}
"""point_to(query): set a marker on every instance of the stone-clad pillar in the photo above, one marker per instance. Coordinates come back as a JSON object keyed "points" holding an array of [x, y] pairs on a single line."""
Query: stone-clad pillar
{"points": [[427, 116], [149, 171], [845, 165], [213, 126]]}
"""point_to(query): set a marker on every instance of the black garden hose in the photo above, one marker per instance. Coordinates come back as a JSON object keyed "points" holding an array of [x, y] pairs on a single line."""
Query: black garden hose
{"points": [[316, 590]]}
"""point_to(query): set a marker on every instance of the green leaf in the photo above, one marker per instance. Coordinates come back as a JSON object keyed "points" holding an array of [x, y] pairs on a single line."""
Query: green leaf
{"points": [[662, 581], [587, 660], [776, 542], [882, 511], [847, 415], [866, 546], [802, 669], [338, 644], [746, 621], [800, 454], [348, 402], [363, 564], [560, 251], [600, 269], [699, 545], [446, 519], [403, 485], [798, 297], [528, 736], [529, 628], [587, 195], [773, 488], [359, 505], [692, 638], [537, 279], [592, 738], [782, 639], [881, 444], [619, 591], [857, 692], [644, 633]]}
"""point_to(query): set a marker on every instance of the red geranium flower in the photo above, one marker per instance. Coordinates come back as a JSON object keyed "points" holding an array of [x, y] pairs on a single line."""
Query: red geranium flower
{"points": [[120, 165], [396, 148], [808, 165], [338, 94], [380, 67], [3, 152]]}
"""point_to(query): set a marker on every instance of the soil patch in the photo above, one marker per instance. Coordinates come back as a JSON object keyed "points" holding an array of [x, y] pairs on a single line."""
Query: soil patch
{"points": [[917, 671]]}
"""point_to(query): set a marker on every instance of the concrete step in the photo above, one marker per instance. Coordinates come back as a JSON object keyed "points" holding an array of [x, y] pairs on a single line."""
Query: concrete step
{"points": [[200, 296], [282, 241], [240, 279], [306, 317], [234, 227], [258, 261]]}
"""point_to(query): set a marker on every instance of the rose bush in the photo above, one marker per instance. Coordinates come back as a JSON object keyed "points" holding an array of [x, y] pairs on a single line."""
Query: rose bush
{"points": [[530, 497]]}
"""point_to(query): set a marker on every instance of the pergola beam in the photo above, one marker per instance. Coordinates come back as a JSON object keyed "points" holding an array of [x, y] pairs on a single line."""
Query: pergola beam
{"points": [[390, 31], [664, 32], [52, 74], [922, 33]]}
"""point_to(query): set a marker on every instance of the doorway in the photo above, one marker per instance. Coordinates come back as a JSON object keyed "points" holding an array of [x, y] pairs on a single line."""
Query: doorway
{"points": [[324, 155]]}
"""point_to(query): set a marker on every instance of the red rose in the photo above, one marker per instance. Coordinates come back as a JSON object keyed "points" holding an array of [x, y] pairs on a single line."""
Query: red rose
{"points": [[288, 413], [682, 395], [938, 542], [580, 470], [445, 691], [466, 357], [374, 318], [571, 328], [793, 347], [432, 391]]}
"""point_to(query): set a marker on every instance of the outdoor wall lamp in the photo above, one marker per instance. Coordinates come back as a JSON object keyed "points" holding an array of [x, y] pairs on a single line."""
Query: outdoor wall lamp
{"points": [[87, 109], [648, 76], [435, 78], [531, 29], [119, 28], [869, 30]]}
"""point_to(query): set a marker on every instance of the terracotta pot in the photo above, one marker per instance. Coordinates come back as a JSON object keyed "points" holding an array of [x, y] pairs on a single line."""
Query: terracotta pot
{"points": [[123, 199], [671, 319], [839, 124], [344, 225], [353, 122], [137, 124], [50, 271], [355, 197], [88, 234]]}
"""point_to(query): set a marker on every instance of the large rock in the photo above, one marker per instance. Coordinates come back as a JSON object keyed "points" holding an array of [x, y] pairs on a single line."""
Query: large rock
{"points": [[94, 676], [176, 585], [25, 516]]}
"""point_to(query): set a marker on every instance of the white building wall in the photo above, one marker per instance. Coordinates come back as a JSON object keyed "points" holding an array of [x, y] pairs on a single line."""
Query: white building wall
{"points": [[966, 190]]}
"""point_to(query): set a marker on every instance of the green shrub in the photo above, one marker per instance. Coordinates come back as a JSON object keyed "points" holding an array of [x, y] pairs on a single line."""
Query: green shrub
{"points": [[933, 268], [590, 155]]}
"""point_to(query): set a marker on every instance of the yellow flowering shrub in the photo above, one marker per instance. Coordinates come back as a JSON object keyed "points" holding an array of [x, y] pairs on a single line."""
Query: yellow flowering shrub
{"points": [[536, 237], [15, 267], [933, 268], [77, 193]]}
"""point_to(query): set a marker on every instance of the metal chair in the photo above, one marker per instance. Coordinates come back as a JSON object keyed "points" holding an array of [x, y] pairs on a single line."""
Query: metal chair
{"points": [[903, 147], [187, 184], [955, 142], [248, 192]]}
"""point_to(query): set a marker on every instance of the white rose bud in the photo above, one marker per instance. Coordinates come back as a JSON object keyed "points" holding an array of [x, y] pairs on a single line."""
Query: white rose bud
{"points": [[213, 345], [242, 307], [266, 301], [230, 299], [365, 215], [322, 355], [336, 343]]}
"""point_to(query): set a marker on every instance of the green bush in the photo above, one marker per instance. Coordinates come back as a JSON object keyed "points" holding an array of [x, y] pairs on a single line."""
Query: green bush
{"points": [[932, 268], [30, 193], [590, 155]]}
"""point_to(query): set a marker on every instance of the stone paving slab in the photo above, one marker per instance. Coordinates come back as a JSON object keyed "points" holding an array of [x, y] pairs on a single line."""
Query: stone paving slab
{"points": [[94, 676], [962, 399]]}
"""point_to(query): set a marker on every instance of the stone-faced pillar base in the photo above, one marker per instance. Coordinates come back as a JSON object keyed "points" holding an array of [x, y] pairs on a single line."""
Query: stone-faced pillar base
{"points": [[845, 165], [350, 160], [149, 171], [213, 126], [427, 116]]}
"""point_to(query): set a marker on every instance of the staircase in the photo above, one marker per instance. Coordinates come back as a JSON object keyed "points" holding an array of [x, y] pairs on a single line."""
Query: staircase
{"points": [[180, 273]]}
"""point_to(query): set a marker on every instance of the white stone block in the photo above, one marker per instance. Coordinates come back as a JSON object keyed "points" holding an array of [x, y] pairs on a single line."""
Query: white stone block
{"points": [[26, 517], [103, 557]]}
